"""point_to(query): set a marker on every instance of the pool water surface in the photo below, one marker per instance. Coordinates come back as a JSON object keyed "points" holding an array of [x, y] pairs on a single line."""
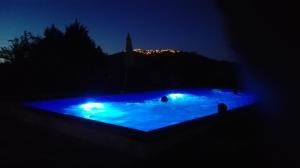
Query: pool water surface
{"points": [[145, 111]]}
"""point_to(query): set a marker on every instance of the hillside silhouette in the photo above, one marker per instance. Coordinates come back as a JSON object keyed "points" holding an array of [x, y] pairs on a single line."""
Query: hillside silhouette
{"points": [[171, 70], [69, 62]]}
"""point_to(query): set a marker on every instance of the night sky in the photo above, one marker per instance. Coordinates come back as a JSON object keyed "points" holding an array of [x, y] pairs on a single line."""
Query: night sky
{"points": [[190, 25]]}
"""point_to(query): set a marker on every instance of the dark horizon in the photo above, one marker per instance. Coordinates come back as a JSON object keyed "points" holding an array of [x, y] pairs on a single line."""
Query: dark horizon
{"points": [[194, 26]]}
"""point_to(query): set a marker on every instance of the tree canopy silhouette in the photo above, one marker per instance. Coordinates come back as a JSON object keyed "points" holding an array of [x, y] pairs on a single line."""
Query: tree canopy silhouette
{"points": [[74, 46], [20, 48], [57, 59]]}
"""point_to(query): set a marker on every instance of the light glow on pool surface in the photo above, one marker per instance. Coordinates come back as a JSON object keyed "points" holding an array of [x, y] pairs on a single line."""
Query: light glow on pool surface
{"points": [[175, 96], [145, 111], [95, 110], [93, 107]]}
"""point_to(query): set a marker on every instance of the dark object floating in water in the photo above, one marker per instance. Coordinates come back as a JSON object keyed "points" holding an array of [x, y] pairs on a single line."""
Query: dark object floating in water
{"points": [[164, 99], [222, 108]]}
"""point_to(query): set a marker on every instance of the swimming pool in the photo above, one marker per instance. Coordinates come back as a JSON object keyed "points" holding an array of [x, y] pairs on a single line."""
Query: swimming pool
{"points": [[145, 111]]}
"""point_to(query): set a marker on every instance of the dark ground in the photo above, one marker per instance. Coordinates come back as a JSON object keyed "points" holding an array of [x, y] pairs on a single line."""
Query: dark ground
{"points": [[233, 143]]}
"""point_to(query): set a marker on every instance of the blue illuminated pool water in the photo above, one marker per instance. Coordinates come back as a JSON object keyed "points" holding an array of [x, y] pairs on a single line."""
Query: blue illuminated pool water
{"points": [[145, 111]]}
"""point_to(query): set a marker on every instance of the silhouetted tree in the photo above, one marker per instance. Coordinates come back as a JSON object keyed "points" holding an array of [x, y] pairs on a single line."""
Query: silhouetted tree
{"points": [[53, 33], [5, 54], [80, 48], [20, 48], [129, 47], [50, 51]]}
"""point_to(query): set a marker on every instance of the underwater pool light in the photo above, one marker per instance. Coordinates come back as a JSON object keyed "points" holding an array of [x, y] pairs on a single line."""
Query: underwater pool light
{"points": [[175, 96], [96, 107]]}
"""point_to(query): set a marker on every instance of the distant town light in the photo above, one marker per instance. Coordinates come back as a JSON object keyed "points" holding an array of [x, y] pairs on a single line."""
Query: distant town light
{"points": [[149, 52]]}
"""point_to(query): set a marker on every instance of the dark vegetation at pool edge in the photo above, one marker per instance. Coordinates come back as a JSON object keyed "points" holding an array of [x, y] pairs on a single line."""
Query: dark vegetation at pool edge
{"points": [[66, 63]]}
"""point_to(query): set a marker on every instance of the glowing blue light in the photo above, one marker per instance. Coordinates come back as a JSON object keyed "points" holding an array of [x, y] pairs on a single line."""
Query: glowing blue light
{"points": [[93, 107], [145, 111], [175, 95], [94, 110]]}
